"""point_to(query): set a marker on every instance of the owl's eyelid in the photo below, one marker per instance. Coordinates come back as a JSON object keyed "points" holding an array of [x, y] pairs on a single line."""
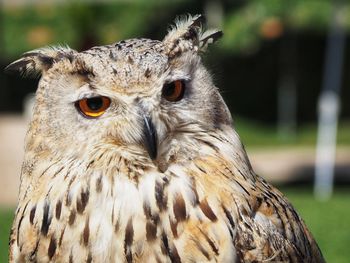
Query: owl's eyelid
{"points": [[86, 92], [175, 77], [90, 95], [186, 80]]}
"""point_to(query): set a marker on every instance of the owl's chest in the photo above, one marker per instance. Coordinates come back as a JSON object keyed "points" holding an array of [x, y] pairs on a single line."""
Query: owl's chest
{"points": [[102, 220]]}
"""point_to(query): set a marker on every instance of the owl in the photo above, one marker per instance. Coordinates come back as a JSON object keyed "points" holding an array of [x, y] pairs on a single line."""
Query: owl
{"points": [[131, 156]]}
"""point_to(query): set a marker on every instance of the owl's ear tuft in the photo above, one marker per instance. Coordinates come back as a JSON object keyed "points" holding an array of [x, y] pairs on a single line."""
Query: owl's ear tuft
{"points": [[188, 34], [208, 37], [34, 63]]}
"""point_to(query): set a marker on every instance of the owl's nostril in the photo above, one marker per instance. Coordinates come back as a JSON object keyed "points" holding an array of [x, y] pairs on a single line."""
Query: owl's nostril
{"points": [[150, 137]]}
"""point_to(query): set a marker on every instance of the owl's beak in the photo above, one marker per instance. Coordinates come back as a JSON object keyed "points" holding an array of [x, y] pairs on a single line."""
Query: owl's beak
{"points": [[150, 137]]}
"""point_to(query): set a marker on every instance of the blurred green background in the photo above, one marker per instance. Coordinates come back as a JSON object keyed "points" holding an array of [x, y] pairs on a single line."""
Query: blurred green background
{"points": [[269, 66]]}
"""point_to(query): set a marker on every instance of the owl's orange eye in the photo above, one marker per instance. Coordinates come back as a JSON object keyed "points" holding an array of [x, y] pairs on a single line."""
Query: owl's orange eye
{"points": [[174, 91], [93, 107]]}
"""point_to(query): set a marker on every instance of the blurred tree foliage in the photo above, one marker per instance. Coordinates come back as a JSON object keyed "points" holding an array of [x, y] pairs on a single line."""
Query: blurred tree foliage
{"points": [[78, 24], [255, 20], [82, 24]]}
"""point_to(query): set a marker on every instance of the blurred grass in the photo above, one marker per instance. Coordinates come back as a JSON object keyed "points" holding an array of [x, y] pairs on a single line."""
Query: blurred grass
{"points": [[6, 217], [254, 134], [328, 221]]}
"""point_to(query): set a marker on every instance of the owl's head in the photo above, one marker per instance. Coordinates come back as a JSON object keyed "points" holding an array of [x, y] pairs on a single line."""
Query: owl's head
{"points": [[136, 97]]}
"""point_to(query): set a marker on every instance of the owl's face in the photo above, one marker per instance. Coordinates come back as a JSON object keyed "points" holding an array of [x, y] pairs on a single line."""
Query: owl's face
{"points": [[136, 96]]}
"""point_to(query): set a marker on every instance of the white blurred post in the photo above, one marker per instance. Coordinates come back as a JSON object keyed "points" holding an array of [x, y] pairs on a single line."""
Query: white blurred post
{"points": [[326, 144], [329, 108]]}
